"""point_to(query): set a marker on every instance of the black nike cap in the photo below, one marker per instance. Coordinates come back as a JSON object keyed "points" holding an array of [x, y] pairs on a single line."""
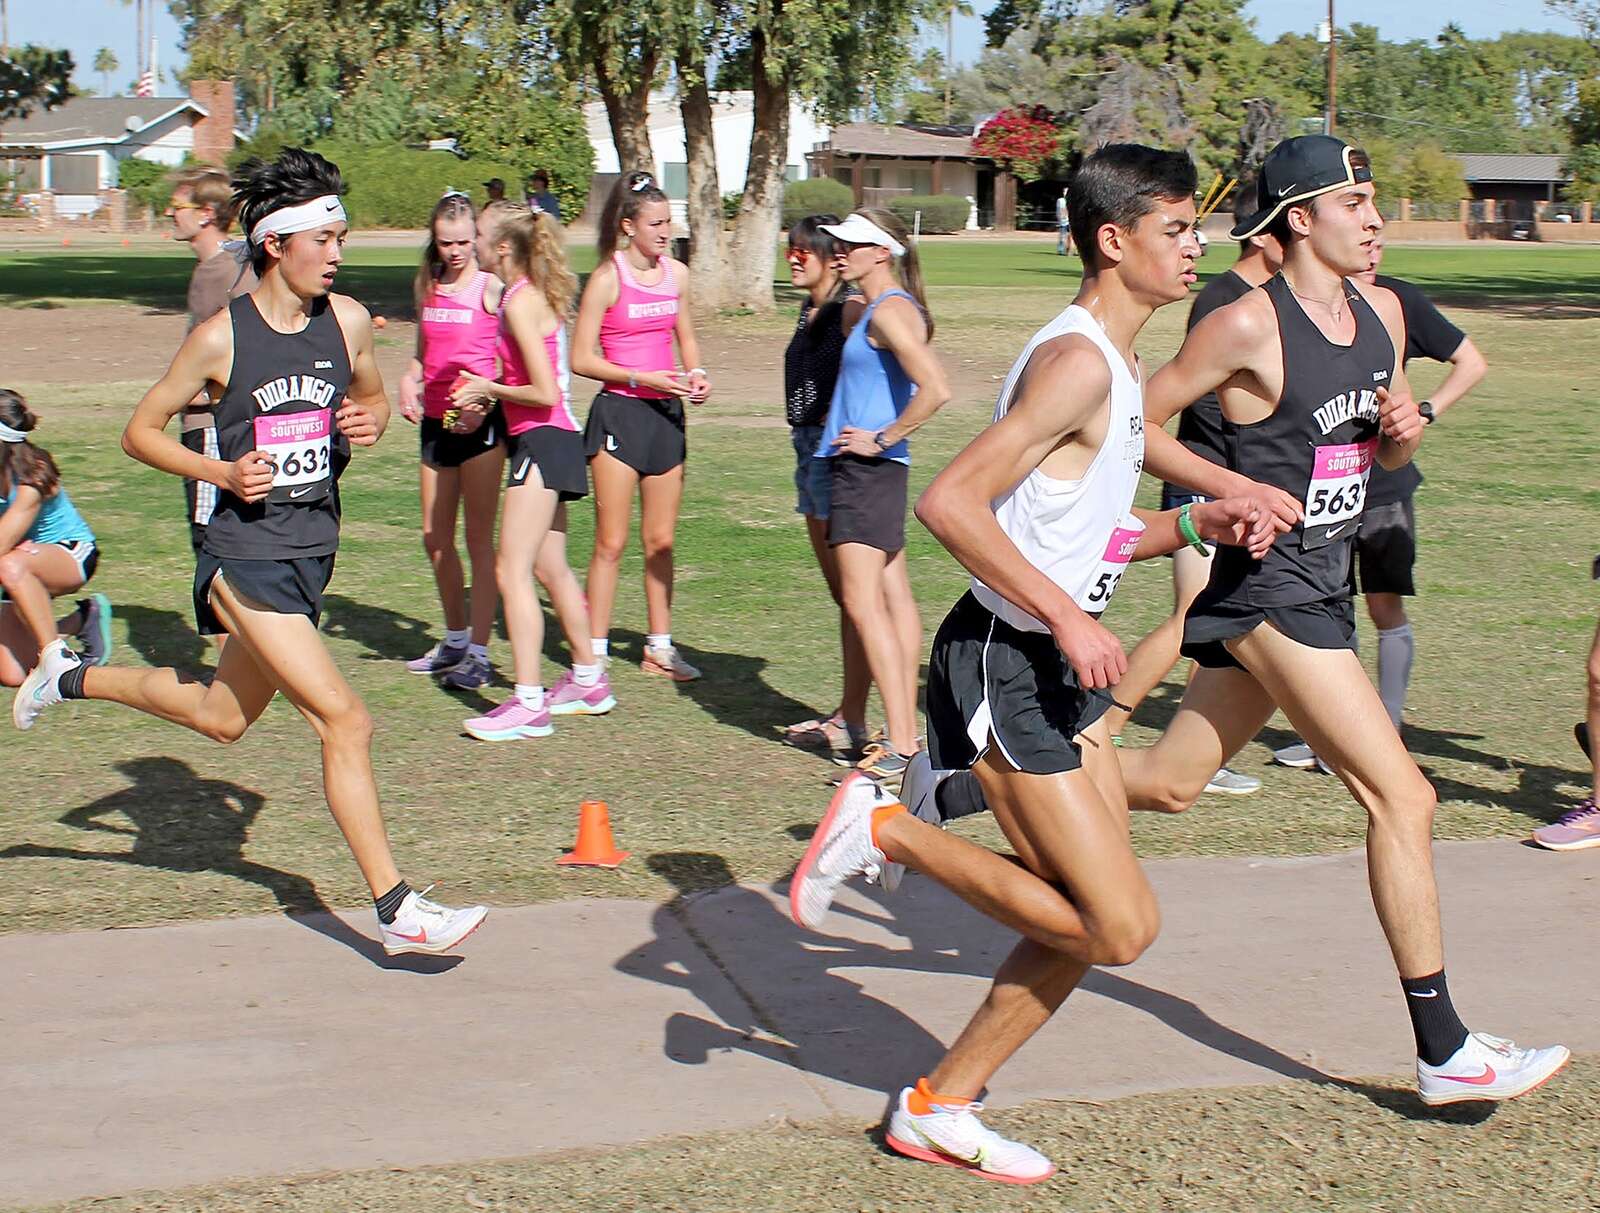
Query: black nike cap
{"points": [[1298, 169]]}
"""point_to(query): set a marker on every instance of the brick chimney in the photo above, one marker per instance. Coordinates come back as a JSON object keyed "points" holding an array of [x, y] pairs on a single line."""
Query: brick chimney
{"points": [[213, 135]]}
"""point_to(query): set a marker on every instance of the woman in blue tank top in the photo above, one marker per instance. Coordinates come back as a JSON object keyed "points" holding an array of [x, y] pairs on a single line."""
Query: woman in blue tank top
{"points": [[890, 382], [46, 550]]}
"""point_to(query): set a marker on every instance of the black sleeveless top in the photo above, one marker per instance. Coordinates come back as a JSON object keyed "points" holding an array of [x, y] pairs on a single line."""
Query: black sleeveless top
{"points": [[1319, 444], [281, 396]]}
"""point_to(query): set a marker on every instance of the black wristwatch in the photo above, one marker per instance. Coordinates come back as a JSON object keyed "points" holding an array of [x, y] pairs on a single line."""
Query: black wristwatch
{"points": [[1426, 409], [882, 445]]}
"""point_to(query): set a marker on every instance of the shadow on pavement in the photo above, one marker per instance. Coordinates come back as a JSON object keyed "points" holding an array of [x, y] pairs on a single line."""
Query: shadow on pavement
{"points": [[183, 822]]}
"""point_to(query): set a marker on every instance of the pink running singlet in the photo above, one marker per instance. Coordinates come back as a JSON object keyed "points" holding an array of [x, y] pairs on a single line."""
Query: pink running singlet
{"points": [[457, 335], [514, 373], [636, 330]]}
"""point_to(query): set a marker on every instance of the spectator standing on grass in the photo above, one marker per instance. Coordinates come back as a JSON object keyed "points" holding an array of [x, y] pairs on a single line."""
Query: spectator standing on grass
{"points": [[890, 383], [201, 211], [1580, 829], [539, 196], [496, 189], [1386, 540], [1063, 225], [810, 373]]}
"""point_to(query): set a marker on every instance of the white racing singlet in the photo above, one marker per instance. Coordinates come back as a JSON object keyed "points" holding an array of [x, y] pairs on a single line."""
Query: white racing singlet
{"points": [[1079, 533]]}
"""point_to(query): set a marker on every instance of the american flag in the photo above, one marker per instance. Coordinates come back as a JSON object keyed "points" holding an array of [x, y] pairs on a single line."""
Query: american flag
{"points": [[147, 85]]}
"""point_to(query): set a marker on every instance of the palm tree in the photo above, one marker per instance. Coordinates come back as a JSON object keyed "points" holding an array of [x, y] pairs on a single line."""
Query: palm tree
{"points": [[105, 62]]}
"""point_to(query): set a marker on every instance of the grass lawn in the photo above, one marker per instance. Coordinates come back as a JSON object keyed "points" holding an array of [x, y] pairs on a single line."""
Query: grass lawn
{"points": [[1346, 1148], [116, 818]]}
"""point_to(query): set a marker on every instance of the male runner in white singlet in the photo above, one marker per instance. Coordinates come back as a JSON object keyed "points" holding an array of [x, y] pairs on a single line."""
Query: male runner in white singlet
{"points": [[1039, 509]]}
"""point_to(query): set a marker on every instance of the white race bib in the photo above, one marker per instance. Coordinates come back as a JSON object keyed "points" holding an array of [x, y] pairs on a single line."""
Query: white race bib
{"points": [[299, 445], [1119, 551], [1337, 492]]}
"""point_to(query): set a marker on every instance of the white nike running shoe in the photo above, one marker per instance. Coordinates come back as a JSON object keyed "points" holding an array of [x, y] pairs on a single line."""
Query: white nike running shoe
{"points": [[42, 687], [955, 1137], [841, 848], [427, 927], [1487, 1067], [1299, 756]]}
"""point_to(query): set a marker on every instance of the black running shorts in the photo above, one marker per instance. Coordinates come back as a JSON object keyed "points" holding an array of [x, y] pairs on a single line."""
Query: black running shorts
{"points": [[1330, 624], [443, 448], [647, 435], [987, 678], [1386, 548], [868, 502], [557, 458], [285, 587]]}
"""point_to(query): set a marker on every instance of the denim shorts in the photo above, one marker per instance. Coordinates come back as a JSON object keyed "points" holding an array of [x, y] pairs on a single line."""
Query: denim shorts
{"points": [[813, 477]]}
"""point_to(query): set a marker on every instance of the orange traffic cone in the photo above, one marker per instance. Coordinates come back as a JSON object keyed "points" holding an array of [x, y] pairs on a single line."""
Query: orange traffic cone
{"points": [[595, 848]]}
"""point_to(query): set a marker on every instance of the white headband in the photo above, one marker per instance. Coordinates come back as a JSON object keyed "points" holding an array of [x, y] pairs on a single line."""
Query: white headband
{"points": [[303, 218], [7, 434]]}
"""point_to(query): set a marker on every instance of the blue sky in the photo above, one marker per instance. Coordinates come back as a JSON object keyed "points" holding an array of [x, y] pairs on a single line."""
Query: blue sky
{"points": [[83, 26]]}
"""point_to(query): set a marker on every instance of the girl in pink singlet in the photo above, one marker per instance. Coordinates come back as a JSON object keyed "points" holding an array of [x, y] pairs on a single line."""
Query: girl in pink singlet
{"points": [[546, 470], [463, 451], [634, 306]]}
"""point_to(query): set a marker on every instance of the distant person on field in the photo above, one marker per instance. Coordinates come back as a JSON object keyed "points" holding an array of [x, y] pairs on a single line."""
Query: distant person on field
{"points": [[1580, 829], [539, 196], [497, 189], [201, 211], [1063, 225]]}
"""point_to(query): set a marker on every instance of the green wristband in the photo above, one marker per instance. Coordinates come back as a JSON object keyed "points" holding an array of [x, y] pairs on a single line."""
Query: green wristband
{"points": [[1186, 529]]}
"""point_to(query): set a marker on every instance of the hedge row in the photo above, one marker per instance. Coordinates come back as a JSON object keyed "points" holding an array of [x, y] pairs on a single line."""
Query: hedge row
{"points": [[941, 213]]}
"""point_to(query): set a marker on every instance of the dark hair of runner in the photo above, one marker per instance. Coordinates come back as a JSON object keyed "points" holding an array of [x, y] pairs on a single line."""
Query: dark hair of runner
{"points": [[907, 269], [1279, 226], [208, 187], [263, 186], [22, 462], [452, 206], [1245, 204], [537, 252], [628, 197], [807, 234], [1120, 184]]}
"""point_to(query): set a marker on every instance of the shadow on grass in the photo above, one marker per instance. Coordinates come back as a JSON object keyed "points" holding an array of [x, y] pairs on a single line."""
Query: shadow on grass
{"points": [[387, 635], [166, 638], [751, 959], [183, 822]]}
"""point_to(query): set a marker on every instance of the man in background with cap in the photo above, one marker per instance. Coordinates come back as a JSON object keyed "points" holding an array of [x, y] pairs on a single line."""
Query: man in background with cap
{"points": [[1307, 371], [496, 188]]}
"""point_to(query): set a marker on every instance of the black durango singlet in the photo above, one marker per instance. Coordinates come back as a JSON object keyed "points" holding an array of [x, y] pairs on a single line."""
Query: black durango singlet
{"points": [[1319, 444], [281, 396]]}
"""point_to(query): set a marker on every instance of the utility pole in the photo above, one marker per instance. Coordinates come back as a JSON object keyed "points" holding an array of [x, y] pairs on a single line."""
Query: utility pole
{"points": [[1333, 60]]}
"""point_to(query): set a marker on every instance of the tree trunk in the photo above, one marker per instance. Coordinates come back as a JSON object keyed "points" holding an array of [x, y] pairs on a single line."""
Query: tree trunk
{"points": [[628, 112], [708, 247], [755, 233]]}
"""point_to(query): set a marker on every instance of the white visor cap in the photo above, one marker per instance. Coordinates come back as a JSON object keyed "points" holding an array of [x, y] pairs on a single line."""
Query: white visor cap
{"points": [[858, 229]]}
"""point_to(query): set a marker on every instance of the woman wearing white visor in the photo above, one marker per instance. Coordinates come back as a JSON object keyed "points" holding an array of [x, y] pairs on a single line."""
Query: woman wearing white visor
{"points": [[890, 382]]}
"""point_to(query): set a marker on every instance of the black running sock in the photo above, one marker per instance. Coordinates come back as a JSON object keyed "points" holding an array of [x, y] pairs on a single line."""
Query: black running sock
{"points": [[1439, 1029], [389, 904], [71, 681], [959, 796]]}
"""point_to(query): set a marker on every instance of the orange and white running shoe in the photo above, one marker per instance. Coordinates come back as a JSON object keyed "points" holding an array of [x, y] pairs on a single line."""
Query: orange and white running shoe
{"points": [[951, 1135], [1488, 1068], [668, 662]]}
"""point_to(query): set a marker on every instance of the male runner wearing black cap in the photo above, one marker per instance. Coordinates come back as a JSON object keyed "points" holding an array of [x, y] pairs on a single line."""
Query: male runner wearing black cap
{"points": [[296, 384], [1312, 392]]}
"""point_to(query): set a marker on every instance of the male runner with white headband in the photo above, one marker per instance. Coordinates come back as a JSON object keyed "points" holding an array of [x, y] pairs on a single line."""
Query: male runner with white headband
{"points": [[297, 385]]}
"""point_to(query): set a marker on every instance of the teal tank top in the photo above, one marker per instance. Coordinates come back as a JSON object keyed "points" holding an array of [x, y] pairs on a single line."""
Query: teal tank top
{"points": [[58, 520]]}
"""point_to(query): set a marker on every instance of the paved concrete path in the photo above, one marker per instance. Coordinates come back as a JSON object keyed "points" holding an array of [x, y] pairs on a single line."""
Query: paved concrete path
{"points": [[179, 1055]]}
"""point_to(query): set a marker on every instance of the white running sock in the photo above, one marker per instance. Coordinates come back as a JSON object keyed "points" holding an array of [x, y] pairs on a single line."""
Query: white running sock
{"points": [[586, 675], [601, 646], [456, 638], [531, 697], [1397, 649], [658, 640], [478, 650]]}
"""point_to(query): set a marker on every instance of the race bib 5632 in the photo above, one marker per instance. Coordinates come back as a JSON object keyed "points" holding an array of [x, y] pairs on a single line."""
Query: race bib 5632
{"points": [[299, 446]]}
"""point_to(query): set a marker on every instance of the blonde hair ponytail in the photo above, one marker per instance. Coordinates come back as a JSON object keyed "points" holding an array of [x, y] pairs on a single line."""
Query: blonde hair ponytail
{"points": [[537, 252], [907, 269]]}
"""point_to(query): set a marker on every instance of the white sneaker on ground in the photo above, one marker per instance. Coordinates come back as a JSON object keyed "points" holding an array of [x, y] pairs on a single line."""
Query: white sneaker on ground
{"points": [[1233, 783], [841, 848], [42, 687], [427, 927], [668, 663], [955, 1137], [1487, 1067], [1299, 756]]}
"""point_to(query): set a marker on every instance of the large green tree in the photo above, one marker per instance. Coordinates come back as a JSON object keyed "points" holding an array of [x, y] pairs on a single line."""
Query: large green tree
{"points": [[33, 77]]}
